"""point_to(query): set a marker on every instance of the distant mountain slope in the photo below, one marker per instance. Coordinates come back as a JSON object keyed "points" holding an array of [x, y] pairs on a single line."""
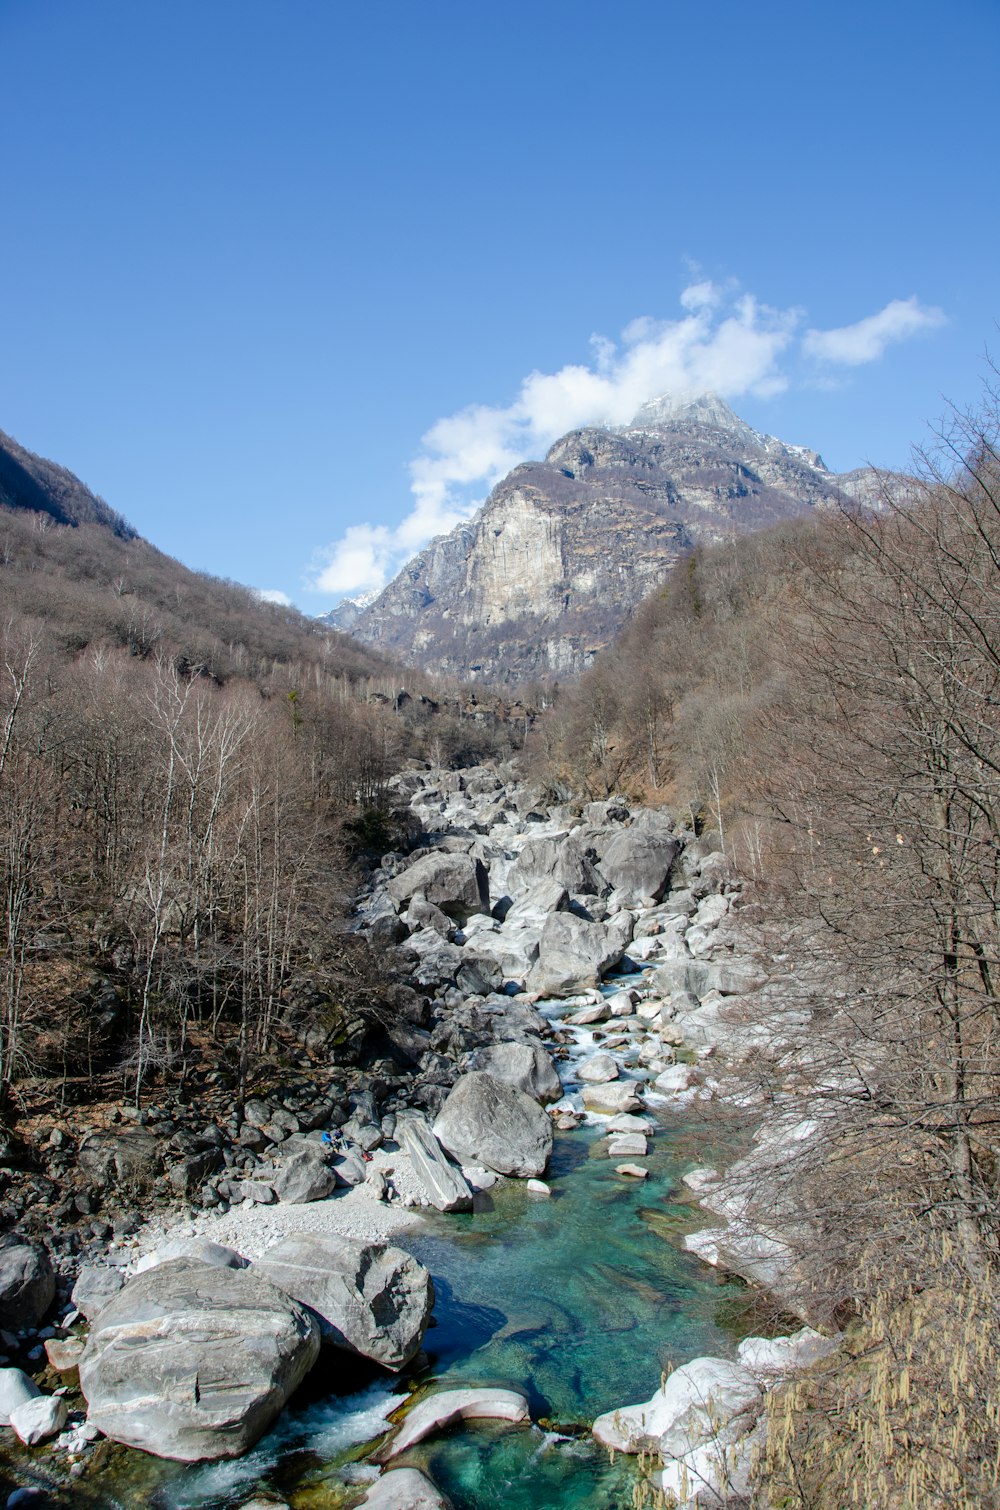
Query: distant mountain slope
{"points": [[88, 577], [30, 482], [563, 550]]}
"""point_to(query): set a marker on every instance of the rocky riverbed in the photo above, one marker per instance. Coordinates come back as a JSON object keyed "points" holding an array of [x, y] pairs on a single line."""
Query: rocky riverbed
{"points": [[505, 917]]}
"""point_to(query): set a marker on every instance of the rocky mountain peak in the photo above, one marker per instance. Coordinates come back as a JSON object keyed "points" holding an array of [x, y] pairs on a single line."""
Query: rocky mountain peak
{"points": [[564, 549], [677, 410]]}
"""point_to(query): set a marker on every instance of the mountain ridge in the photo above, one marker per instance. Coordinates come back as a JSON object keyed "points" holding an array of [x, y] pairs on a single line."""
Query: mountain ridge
{"points": [[551, 566]]}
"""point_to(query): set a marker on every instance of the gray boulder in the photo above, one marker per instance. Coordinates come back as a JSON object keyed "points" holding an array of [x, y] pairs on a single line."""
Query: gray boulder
{"points": [[526, 1066], [437, 959], [95, 1286], [538, 903], [598, 1069], [574, 955], [560, 861], [369, 1298], [444, 1185], [131, 1157], [27, 1283], [15, 1389], [456, 884], [638, 863], [485, 1121], [306, 1176], [191, 1361], [200, 1248]]}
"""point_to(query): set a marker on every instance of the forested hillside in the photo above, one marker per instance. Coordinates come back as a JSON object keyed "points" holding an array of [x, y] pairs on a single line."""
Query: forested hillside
{"points": [[185, 775], [825, 696]]}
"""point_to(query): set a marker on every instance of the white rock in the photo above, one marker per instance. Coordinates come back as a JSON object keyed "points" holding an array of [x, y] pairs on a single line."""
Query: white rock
{"points": [[634, 1171], [627, 1123], [627, 1145], [598, 1070], [538, 1187], [768, 1358], [614, 1097], [404, 1489], [38, 1419], [693, 1405], [677, 1077], [16, 1388], [454, 1405]]}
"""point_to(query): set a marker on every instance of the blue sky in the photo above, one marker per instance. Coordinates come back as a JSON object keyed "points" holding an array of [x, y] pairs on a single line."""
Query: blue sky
{"points": [[257, 254]]}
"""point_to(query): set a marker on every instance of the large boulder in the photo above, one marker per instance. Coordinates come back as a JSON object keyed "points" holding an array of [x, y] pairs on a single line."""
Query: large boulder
{"points": [[485, 1121], [526, 1066], [369, 1298], [200, 1248], [695, 1403], [193, 1361], [456, 884], [574, 955], [437, 960], [444, 1185], [536, 904], [305, 1176], [562, 860], [27, 1283], [130, 1157], [95, 1286], [637, 863]]}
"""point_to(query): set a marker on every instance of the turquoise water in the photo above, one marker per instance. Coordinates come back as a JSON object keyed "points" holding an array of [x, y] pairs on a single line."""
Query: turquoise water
{"points": [[580, 1302], [577, 1299]]}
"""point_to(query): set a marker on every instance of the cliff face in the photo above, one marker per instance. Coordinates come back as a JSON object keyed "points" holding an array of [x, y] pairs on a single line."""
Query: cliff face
{"points": [[562, 551]]}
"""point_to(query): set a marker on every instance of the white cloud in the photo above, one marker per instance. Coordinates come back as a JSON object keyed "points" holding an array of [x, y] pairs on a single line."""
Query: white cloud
{"points": [[726, 341], [866, 341], [273, 595]]}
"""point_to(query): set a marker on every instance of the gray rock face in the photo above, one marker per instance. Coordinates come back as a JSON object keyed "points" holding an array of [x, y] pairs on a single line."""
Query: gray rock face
{"points": [[574, 955], [456, 884], [563, 549], [404, 1489], [552, 863], [95, 1286], [27, 1283], [190, 1361], [638, 864], [451, 1405], [369, 1298], [526, 1066], [306, 1176], [444, 1185], [487, 1122], [437, 959]]}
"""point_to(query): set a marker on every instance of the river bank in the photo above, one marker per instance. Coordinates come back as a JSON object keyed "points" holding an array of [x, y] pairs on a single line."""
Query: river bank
{"points": [[507, 915]]}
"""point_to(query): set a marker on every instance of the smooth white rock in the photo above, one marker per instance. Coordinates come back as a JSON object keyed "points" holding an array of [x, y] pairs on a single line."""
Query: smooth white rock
{"points": [[38, 1419]]}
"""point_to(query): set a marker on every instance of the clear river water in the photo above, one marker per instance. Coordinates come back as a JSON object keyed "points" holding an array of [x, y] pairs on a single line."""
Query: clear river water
{"points": [[581, 1300]]}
